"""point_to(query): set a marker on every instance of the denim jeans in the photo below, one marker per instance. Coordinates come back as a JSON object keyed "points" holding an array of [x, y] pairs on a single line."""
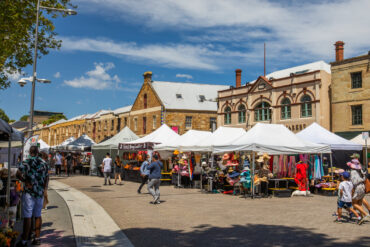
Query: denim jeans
{"points": [[153, 188], [106, 176]]}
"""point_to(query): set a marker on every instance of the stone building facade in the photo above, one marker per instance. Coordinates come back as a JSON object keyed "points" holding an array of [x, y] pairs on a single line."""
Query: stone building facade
{"points": [[295, 97], [350, 96]]}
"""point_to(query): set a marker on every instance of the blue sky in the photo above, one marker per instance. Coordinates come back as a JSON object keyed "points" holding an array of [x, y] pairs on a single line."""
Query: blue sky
{"points": [[110, 44]]}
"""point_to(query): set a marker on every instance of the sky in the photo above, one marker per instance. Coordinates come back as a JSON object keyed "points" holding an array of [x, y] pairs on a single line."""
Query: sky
{"points": [[109, 44]]}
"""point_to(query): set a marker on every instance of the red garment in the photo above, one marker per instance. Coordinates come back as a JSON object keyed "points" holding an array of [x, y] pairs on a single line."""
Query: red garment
{"points": [[272, 164], [301, 176]]}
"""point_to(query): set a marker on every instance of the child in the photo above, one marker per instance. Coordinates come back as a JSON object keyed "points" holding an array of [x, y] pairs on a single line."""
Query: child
{"points": [[345, 193]]}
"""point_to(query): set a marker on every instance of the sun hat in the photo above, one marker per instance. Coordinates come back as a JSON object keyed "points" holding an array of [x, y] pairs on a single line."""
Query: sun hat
{"points": [[354, 164], [346, 175], [355, 156], [204, 163], [263, 157], [234, 174], [339, 171], [184, 157], [225, 157]]}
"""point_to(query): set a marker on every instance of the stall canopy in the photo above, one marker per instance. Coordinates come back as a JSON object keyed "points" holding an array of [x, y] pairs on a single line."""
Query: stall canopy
{"points": [[125, 135], [63, 145], [44, 147], [7, 131], [318, 134], [186, 141], [83, 143], [161, 135], [358, 139], [271, 139]]}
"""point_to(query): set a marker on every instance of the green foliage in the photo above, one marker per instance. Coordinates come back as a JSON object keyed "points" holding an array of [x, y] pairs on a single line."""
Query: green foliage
{"points": [[54, 118], [24, 118], [11, 121], [3, 116], [17, 31]]}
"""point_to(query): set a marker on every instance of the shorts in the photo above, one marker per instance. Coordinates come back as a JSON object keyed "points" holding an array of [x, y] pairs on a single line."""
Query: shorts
{"points": [[31, 206], [342, 204]]}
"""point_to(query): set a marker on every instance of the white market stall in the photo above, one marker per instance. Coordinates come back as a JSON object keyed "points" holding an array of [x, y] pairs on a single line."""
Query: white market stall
{"points": [[43, 146], [63, 145], [83, 143], [341, 148]]}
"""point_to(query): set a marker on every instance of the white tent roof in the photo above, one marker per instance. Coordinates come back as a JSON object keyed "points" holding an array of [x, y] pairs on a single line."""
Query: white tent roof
{"points": [[64, 144], [358, 139], [317, 134], [81, 143], [125, 135], [187, 140], [161, 135], [272, 139], [43, 145]]}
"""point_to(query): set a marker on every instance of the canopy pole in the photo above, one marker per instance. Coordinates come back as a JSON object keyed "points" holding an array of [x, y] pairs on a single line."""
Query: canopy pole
{"points": [[331, 167], [212, 165], [9, 178], [178, 175], [252, 179]]}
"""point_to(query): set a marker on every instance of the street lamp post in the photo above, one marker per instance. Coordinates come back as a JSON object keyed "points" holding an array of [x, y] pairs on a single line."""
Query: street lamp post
{"points": [[69, 12]]}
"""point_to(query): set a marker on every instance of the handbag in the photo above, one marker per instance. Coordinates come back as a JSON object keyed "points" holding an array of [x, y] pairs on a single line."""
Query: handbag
{"points": [[367, 185]]}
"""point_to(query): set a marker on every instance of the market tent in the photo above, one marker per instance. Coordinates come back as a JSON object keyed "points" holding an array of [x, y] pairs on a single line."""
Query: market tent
{"points": [[83, 143], [63, 145], [358, 139], [221, 136], [185, 141], [44, 147], [271, 139], [125, 135], [161, 135], [318, 134]]}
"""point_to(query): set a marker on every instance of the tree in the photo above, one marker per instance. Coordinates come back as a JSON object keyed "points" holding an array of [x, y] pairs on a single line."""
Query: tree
{"points": [[24, 118], [17, 31], [3, 116], [54, 118]]}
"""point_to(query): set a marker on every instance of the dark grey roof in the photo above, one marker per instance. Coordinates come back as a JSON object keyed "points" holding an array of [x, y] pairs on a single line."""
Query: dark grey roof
{"points": [[19, 124]]}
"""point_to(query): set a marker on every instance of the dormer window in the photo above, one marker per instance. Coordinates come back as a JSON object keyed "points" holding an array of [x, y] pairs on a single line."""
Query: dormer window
{"points": [[145, 101], [202, 98], [178, 96]]}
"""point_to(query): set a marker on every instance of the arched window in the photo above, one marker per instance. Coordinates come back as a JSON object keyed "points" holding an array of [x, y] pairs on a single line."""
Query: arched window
{"points": [[241, 113], [306, 106], [262, 112], [227, 119], [145, 101], [285, 109]]}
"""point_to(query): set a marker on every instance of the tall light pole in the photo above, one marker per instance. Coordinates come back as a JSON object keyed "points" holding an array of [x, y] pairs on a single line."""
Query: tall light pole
{"points": [[69, 12]]}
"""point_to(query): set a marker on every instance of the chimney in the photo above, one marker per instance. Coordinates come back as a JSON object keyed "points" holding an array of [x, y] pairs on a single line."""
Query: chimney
{"points": [[238, 79], [339, 51], [147, 77]]}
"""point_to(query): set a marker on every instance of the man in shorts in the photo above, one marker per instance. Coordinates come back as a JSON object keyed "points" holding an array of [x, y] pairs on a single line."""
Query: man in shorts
{"points": [[35, 176]]}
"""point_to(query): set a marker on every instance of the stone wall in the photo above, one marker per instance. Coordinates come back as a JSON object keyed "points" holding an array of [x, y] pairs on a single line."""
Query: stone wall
{"points": [[200, 120]]}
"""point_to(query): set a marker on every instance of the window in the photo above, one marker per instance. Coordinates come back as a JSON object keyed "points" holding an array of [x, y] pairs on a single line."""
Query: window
{"points": [[285, 109], [306, 106], [135, 124], [125, 121], [356, 114], [262, 112], [112, 125], [188, 121], [145, 101], [202, 98], [227, 116], [105, 124], [154, 121], [241, 113], [178, 96], [118, 124], [356, 79], [144, 125], [212, 123]]}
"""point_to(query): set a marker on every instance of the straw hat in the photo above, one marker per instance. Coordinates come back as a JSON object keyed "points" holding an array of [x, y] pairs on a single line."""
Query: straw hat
{"points": [[355, 156], [263, 157]]}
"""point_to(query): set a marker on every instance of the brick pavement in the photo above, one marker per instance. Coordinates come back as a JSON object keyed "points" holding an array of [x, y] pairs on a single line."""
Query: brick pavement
{"points": [[189, 218]]}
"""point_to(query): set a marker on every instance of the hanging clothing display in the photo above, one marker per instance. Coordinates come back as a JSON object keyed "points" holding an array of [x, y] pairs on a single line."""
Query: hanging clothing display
{"points": [[301, 176], [319, 170]]}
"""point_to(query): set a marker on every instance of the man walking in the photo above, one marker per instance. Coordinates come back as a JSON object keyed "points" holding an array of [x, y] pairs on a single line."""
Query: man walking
{"points": [[58, 164], [35, 176], [69, 163], [155, 178], [107, 168], [144, 172]]}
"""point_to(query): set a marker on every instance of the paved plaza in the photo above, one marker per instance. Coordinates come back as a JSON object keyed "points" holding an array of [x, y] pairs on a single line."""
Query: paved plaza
{"points": [[187, 217]]}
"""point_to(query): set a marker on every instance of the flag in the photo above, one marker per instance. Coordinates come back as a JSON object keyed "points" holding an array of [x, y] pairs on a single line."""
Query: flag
{"points": [[191, 167]]}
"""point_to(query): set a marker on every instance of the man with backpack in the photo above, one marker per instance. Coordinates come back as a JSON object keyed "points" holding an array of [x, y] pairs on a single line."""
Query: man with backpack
{"points": [[155, 178]]}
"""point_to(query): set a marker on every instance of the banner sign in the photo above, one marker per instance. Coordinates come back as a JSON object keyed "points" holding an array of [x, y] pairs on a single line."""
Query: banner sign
{"points": [[136, 146], [365, 135], [32, 141]]}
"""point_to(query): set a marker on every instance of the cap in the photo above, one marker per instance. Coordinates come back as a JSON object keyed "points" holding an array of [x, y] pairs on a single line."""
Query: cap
{"points": [[345, 174]]}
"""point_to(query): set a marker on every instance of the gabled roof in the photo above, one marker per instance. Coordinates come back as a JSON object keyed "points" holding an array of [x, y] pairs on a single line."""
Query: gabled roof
{"points": [[188, 96], [122, 110], [261, 78], [125, 135]]}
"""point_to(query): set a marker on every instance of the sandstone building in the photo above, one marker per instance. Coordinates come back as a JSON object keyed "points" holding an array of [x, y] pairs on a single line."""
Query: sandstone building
{"points": [[295, 97], [350, 93]]}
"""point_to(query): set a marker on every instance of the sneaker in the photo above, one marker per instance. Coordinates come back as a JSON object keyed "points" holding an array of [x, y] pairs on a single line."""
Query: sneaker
{"points": [[367, 217], [337, 220], [139, 192], [36, 241], [157, 202]]}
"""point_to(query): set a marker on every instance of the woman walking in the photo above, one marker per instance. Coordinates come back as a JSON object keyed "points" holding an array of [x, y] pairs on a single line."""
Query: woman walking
{"points": [[118, 170], [358, 178]]}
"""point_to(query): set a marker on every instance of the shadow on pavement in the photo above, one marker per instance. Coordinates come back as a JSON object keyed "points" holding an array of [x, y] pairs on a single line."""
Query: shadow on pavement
{"points": [[55, 238], [237, 235]]}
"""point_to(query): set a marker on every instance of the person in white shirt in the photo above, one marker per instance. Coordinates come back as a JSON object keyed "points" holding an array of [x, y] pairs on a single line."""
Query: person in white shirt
{"points": [[58, 163], [107, 168], [345, 197]]}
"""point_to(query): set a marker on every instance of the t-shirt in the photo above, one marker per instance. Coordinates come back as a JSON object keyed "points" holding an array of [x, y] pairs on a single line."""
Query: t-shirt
{"points": [[35, 173], [58, 159], [107, 164], [347, 187]]}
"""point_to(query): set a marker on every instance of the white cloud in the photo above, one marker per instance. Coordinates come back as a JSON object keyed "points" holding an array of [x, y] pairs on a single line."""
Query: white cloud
{"points": [[305, 28], [98, 78], [57, 75], [186, 76]]}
